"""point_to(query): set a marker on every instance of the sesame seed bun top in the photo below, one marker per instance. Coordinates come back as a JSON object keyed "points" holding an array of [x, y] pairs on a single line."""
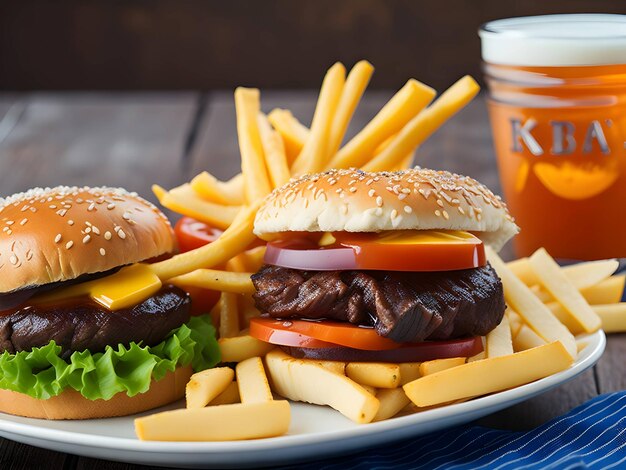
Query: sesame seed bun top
{"points": [[358, 201], [57, 234]]}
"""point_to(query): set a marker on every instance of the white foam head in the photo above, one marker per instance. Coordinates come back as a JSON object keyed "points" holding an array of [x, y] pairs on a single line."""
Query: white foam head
{"points": [[555, 40]]}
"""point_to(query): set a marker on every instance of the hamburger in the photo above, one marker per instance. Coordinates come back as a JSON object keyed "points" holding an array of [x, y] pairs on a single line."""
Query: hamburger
{"points": [[70, 357], [385, 266]]}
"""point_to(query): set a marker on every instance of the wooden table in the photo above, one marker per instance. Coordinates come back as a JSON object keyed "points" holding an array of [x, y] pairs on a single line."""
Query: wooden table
{"points": [[135, 140]]}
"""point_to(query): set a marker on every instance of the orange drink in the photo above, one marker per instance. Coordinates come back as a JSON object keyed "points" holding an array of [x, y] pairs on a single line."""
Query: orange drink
{"points": [[557, 105]]}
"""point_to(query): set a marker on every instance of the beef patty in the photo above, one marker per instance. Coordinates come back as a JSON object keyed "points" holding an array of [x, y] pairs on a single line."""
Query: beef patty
{"points": [[403, 306], [85, 325]]}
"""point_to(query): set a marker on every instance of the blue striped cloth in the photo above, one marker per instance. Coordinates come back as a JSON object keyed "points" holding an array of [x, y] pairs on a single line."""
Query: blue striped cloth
{"points": [[591, 436]]}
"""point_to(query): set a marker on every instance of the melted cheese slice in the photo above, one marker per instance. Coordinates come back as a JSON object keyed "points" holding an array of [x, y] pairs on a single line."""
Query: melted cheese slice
{"points": [[127, 287]]}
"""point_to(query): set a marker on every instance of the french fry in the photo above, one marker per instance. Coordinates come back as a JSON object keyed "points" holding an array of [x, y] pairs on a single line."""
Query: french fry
{"points": [[489, 375], [399, 110], [227, 193], [292, 131], [225, 281], [236, 422], [392, 401], [315, 152], [337, 367], [564, 317], [581, 275], [229, 315], [371, 390], [375, 374], [252, 381], [613, 317], [274, 151], [234, 240], [253, 258], [185, 201], [409, 371], [253, 168], [422, 126], [215, 313], [498, 341], [436, 365], [247, 310], [530, 308], [406, 163], [608, 291], [515, 321], [526, 339], [561, 288], [477, 357], [353, 90], [229, 396], [205, 386], [309, 382], [240, 348]]}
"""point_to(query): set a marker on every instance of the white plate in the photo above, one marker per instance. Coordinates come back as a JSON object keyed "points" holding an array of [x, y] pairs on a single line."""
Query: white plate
{"points": [[316, 432]]}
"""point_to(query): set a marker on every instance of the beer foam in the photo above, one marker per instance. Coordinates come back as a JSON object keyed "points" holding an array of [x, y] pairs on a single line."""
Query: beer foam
{"points": [[555, 40]]}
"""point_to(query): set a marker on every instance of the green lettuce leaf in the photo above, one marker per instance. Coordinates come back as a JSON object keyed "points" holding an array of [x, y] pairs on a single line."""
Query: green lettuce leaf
{"points": [[42, 374]]}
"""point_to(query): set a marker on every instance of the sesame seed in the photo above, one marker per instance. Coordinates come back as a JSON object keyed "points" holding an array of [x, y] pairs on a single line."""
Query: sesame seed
{"points": [[62, 212], [103, 251], [95, 230], [445, 215], [23, 209], [57, 239], [13, 259], [406, 190], [107, 235], [461, 210], [379, 201], [111, 206], [9, 232], [10, 222], [69, 245], [70, 222], [121, 234], [32, 209], [23, 221], [438, 213], [126, 215], [29, 255], [353, 189], [91, 207], [86, 238], [401, 196], [394, 214], [370, 181], [440, 202], [408, 209], [87, 230], [371, 193], [52, 206]]}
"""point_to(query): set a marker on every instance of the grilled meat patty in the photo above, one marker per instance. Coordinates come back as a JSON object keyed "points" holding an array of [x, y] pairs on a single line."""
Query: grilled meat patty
{"points": [[403, 306], [85, 325]]}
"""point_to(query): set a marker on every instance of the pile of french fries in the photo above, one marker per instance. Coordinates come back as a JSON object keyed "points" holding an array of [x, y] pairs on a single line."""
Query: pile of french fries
{"points": [[549, 308]]}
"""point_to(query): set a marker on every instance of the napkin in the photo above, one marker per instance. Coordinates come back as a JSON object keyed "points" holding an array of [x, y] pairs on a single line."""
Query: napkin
{"points": [[591, 436]]}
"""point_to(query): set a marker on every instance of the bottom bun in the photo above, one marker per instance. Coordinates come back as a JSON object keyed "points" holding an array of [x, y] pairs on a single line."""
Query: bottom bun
{"points": [[70, 404]]}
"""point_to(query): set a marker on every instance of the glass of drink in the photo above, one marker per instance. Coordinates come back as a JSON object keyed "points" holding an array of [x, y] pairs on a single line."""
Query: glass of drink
{"points": [[557, 103]]}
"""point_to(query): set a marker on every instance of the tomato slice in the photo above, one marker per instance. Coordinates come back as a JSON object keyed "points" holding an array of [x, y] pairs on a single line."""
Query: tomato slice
{"points": [[410, 352], [401, 250], [192, 234], [338, 333]]}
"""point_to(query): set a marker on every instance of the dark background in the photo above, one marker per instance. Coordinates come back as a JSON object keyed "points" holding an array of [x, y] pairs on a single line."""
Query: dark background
{"points": [[201, 45]]}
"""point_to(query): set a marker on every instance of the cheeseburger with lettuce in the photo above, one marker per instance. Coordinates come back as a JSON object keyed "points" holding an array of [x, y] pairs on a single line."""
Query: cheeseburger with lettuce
{"points": [[68, 357], [385, 267]]}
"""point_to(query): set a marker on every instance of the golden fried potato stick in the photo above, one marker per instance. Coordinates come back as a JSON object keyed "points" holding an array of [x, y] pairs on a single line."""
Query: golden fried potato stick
{"points": [[184, 200], [314, 154], [256, 181], [228, 193], [229, 315], [274, 150], [293, 132], [399, 110], [422, 126], [225, 281], [353, 90], [233, 241]]}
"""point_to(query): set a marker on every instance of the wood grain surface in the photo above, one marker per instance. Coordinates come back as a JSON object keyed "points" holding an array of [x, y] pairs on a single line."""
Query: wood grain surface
{"points": [[134, 140]]}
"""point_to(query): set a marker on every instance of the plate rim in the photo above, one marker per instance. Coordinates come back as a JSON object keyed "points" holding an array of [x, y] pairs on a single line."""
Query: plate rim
{"points": [[514, 395]]}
